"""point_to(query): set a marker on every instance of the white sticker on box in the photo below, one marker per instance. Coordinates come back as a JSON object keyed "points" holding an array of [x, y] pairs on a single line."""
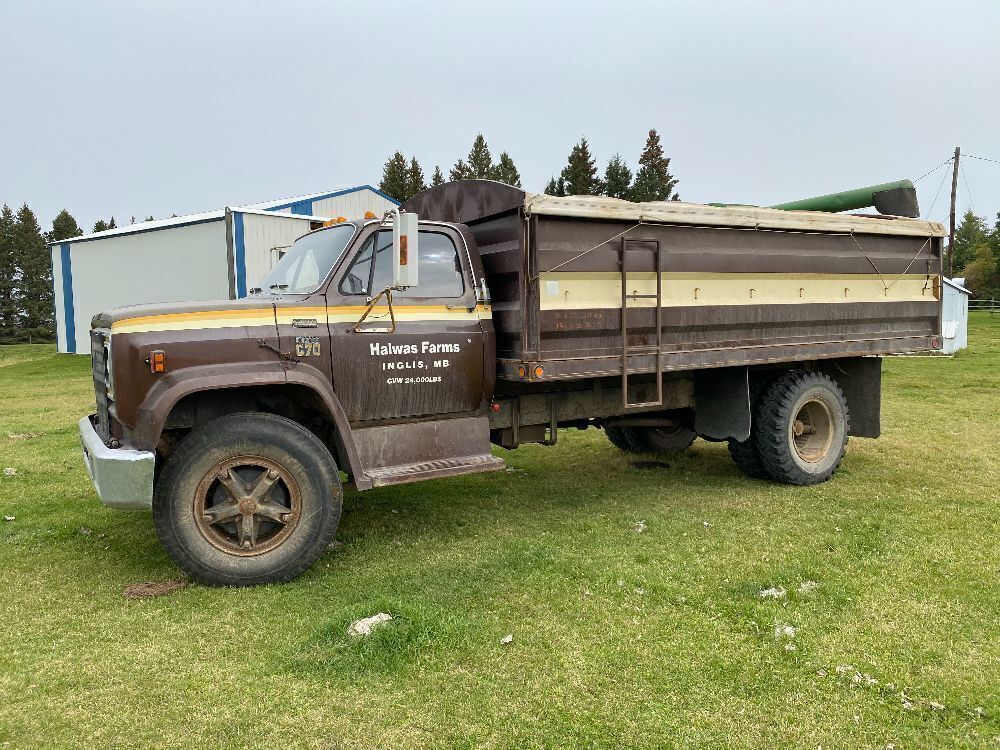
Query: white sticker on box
{"points": [[552, 288]]}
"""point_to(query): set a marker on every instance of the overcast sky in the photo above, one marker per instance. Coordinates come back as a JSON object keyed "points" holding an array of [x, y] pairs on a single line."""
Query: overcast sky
{"points": [[139, 108]]}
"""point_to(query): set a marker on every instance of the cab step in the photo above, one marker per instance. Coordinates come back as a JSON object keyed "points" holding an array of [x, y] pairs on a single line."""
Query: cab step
{"points": [[410, 452], [447, 467]]}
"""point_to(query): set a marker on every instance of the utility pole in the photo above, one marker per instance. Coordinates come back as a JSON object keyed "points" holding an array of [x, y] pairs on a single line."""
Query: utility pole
{"points": [[951, 231]]}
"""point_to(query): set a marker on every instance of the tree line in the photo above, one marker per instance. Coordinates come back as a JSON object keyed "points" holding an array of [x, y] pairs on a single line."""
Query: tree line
{"points": [[652, 181], [26, 299], [976, 255], [27, 312]]}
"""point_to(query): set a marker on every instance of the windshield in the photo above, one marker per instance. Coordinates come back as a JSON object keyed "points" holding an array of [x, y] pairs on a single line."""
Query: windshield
{"points": [[308, 262]]}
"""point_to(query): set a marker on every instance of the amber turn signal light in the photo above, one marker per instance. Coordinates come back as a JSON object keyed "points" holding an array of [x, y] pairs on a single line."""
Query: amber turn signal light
{"points": [[157, 361], [539, 371]]}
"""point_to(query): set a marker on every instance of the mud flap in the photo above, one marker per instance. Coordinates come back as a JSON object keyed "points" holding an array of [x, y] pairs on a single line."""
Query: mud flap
{"points": [[722, 403], [860, 378]]}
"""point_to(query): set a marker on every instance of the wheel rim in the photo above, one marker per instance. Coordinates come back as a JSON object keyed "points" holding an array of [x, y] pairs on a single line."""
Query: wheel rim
{"points": [[812, 431], [247, 505]]}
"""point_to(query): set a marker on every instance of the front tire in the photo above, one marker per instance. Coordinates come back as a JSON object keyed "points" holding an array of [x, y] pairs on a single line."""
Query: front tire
{"points": [[803, 425], [247, 499]]}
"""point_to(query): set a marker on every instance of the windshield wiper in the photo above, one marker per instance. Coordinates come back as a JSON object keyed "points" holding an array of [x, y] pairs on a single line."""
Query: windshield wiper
{"points": [[256, 290], [279, 287]]}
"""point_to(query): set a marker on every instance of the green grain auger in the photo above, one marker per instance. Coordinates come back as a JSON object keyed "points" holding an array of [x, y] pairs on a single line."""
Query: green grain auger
{"points": [[890, 198]]}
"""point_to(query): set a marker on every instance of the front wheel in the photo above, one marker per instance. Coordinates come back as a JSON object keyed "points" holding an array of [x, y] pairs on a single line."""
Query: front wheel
{"points": [[802, 428], [247, 499]]}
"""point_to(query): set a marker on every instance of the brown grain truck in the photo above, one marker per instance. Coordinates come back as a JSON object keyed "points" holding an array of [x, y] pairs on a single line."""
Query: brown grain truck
{"points": [[397, 350]]}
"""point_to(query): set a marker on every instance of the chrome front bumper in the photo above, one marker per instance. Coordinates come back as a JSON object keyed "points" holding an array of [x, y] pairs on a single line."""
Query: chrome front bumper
{"points": [[123, 477]]}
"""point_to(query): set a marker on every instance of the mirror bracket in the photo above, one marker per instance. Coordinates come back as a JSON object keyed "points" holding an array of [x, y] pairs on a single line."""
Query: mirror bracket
{"points": [[370, 306]]}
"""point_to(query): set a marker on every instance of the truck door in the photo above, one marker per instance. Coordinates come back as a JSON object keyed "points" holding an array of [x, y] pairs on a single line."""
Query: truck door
{"points": [[432, 364]]}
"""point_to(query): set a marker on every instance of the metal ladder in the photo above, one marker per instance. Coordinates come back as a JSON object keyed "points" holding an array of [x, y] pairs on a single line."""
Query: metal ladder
{"points": [[629, 351]]}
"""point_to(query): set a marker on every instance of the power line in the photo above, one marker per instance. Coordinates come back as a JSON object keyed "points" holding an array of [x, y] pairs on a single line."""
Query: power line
{"points": [[982, 158], [965, 179], [946, 161], [941, 185]]}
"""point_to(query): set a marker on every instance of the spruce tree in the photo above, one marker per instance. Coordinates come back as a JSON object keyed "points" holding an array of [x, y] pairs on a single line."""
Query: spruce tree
{"points": [[64, 226], [971, 233], [580, 172], [9, 318], [552, 187], [618, 179], [460, 171], [101, 225], [111, 224], [437, 178], [414, 179], [35, 284], [653, 181], [395, 177], [480, 160], [506, 172], [150, 218]]}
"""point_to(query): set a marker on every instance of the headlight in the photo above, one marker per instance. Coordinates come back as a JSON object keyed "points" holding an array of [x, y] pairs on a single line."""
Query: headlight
{"points": [[109, 382]]}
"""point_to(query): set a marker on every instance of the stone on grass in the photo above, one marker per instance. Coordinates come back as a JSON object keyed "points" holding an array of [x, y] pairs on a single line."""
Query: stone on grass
{"points": [[507, 639], [366, 625], [10, 471], [640, 527], [773, 592], [782, 630], [8, 519], [807, 587]]}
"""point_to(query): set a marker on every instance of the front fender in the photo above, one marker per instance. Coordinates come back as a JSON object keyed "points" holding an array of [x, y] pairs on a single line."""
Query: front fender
{"points": [[172, 387]]}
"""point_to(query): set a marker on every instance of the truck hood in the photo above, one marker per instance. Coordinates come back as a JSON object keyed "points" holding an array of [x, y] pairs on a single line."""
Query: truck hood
{"points": [[106, 319]]}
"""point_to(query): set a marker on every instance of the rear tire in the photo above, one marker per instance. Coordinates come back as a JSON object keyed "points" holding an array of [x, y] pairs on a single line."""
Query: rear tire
{"points": [[802, 428], [625, 438], [669, 441], [247, 499], [744, 453], [664, 441]]}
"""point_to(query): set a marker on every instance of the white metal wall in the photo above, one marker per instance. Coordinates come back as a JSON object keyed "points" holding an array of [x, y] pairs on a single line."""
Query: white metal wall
{"points": [[177, 264], [60, 305], [262, 234], [954, 319], [352, 205]]}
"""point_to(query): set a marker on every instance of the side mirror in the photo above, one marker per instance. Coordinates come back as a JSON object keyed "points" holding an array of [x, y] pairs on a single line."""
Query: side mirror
{"points": [[404, 249]]}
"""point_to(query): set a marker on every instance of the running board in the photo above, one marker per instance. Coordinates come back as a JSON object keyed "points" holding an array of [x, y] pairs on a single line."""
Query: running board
{"points": [[448, 467], [410, 452]]}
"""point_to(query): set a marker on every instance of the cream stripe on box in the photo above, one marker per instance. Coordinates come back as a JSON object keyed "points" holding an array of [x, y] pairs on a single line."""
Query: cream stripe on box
{"points": [[590, 290]]}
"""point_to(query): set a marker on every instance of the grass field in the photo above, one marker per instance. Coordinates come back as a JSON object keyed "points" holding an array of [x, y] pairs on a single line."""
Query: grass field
{"points": [[633, 596]]}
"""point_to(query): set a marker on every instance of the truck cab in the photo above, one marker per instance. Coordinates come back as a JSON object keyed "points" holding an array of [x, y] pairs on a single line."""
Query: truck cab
{"points": [[388, 383]]}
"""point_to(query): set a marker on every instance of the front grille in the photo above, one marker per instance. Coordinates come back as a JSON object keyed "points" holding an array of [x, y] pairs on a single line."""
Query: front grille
{"points": [[98, 355]]}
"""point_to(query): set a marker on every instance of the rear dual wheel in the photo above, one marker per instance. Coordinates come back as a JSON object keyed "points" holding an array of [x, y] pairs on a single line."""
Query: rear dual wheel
{"points": [[662, 440], [799, 430]]}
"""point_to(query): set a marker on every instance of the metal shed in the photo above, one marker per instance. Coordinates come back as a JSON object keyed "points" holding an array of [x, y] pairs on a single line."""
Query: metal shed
{"points": [[214, 255], [955, 316]]}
